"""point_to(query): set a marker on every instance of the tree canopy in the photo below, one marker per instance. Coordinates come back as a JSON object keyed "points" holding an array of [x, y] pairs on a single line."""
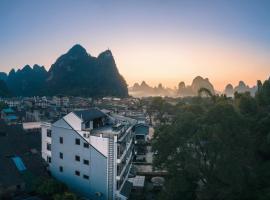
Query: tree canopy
{"points": [[217, 148]]}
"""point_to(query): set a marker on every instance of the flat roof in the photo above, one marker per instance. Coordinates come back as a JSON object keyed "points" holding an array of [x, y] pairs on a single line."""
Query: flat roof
{"points": [[90, 114], [137, 181]]}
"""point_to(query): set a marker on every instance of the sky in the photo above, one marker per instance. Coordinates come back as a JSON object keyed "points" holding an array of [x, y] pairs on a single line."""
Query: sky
{"points": [[153, 40]]}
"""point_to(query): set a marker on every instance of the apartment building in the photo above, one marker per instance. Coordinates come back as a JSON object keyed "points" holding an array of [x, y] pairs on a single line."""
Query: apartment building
{"points": [[91, 151]]}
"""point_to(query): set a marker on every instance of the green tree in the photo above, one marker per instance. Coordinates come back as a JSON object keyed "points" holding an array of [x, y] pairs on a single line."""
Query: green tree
{"points": [[48, 187], [217, 149], [65, 196]]}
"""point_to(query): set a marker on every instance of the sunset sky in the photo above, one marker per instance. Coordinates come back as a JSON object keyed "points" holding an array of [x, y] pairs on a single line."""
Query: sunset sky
{"points": [[152, 40]]}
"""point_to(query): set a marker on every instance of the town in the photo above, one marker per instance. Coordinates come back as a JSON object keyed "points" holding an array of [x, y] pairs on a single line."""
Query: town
{"points": [[134, 100], [81, 142]]}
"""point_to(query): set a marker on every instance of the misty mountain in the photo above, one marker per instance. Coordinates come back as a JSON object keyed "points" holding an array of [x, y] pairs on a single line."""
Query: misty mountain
{"points": [[240, 88], [192, 90], [229, 90], [143, 89], [198, 82], [74, 73]]}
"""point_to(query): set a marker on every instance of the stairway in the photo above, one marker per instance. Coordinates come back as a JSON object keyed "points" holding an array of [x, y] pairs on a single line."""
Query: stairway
{"points": [[111, 168]]}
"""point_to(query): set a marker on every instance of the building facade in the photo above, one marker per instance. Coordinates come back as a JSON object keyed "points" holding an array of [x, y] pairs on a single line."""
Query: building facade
{"points": [[91, 151]]}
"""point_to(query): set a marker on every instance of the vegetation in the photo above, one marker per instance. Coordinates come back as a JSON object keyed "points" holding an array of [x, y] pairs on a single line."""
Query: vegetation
{"points": [[216, 147], [4, 91], [49, 188]]}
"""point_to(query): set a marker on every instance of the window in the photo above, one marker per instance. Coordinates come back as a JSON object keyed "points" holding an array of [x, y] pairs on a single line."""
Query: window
{"points": [[60, 168], [85, 145], [77, 158], [18, 187], [86, 177], [61, 155], [77, 141], [49, 159], [49, 133], [86, 162], [61, 140], [49, 147], [77, 173]]}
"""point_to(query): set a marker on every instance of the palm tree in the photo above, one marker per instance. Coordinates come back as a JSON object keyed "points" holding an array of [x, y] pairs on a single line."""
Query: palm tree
{"points": [[208, 93]]}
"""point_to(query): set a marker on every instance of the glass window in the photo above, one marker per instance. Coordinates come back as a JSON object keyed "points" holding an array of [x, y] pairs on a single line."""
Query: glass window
{"points": [[77, 141], [86, 162], [49, 147], [49, 133], [49, 159], [86, 177], [77, 158], [85, 145], [61, 140], [77, 173]]}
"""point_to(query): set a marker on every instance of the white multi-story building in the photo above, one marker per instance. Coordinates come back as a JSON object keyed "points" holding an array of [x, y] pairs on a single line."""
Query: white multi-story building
{"points": [[91, 151]]}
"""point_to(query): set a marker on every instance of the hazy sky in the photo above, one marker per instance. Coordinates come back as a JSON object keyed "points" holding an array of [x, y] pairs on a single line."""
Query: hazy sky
{"points": [[153, 40]]}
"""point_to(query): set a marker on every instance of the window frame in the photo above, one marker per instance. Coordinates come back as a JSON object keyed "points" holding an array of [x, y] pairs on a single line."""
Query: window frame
{"points": [[86, 177], [77, 158], [61, 140], [77, 173], [49, 133], [86, 162], [77, 141], [86, 145]]}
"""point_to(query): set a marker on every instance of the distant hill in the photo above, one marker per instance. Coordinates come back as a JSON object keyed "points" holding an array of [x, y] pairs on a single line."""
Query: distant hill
{"points": [[143, 89], [78, 73], [74, 73], [240, 88], [27, 81], [3, 76], [192, 90], [4, 91]]}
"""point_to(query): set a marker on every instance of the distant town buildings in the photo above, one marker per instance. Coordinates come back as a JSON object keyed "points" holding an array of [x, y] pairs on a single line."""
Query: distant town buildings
{"points": [[91, 150], [9, 116]]}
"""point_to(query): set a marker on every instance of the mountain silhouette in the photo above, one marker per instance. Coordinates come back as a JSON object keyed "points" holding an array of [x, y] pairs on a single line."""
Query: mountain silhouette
{"points": [[74, 73]]}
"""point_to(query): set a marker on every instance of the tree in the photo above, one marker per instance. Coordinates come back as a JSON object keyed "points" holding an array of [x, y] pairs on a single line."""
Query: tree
{"points": [[65, 196], [218, 150], [48, 187], [263, 93]]}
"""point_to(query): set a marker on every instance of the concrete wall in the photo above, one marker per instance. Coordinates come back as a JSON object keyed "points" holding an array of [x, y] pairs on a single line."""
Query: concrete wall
{"points": [[44, 141], [74, 121], [96, 170]]}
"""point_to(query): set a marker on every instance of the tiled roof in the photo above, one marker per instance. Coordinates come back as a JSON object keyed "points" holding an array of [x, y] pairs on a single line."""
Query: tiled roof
{"points": [[8, 110], [14, 142]]}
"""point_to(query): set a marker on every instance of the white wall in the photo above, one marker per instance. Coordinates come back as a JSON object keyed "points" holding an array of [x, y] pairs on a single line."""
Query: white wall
{"points": [[100, 143], [96, 170], [74, 121], [45, 140]]}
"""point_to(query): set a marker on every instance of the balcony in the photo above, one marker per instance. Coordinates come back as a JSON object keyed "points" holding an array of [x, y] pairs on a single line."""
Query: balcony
{"points": [[124, 169]]}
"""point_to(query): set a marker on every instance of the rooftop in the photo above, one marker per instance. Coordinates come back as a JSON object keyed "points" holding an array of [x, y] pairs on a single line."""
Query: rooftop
{"points": [[17, 154], [90, 114], [8, 110]]}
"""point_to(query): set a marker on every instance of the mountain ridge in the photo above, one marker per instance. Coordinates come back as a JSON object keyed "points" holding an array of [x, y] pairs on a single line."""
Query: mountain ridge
{"points": [[74, 73]]}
